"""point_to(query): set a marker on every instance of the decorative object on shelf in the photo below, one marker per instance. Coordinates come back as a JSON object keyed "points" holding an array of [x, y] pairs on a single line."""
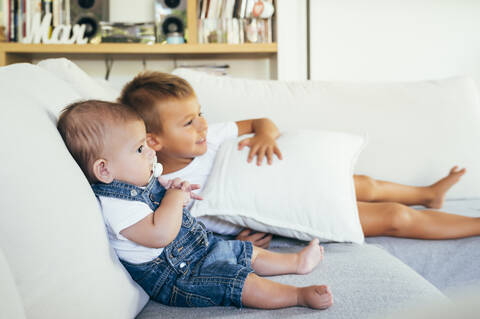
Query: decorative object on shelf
{"points": [[89, 13], [128, 32], [175, 38], [170, 17], [263, 9], [235, 21], [40, 32], [50, 21], [214, 69]]}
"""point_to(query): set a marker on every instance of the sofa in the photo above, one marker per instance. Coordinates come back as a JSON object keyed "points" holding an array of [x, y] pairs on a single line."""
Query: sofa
{"points": [[55, 260]]}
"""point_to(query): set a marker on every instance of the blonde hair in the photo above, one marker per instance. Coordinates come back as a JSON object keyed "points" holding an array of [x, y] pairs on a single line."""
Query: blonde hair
{"points": [[148, 89], [83, 127]]}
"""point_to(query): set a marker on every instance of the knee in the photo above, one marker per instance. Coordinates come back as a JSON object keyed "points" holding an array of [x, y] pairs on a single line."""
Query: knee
{"points": [[398, 219], [365, 187]]}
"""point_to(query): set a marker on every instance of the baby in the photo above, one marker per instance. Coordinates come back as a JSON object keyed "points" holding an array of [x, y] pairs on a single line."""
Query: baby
{"points": [[166, 250]]}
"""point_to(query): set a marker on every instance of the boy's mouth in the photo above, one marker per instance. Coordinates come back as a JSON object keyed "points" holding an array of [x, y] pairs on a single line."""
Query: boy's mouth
{"points": [[202, 140]]}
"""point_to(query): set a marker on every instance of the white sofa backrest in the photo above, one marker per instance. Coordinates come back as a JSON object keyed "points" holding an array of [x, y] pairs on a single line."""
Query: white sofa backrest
{"points": [[51, 228], [10, 301], [417, 131]]}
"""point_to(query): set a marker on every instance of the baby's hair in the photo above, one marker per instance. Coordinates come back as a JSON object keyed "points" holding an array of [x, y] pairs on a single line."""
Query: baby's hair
{"points": [[148, 89], [83, 127]]}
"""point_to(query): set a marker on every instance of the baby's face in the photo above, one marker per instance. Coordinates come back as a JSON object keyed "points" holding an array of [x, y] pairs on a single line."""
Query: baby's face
{"points": [[129, 158]]}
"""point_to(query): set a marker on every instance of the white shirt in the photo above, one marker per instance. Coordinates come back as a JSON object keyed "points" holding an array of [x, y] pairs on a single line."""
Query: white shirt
{"points": [[119, 214], [198, 171]]}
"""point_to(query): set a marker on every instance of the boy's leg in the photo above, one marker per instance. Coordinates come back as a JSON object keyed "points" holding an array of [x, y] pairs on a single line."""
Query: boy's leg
{"points": [[269, 263], [262, 293], [371, 190], [393, 219]]}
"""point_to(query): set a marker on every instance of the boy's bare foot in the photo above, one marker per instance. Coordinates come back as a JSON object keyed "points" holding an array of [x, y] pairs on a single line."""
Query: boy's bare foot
{"points": [[441, 187], [316, 297], [309, 257]]}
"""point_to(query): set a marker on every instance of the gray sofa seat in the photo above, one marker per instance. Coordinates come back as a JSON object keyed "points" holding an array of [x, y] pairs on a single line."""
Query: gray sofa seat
{"points": [[450, 265], [365, 280]]}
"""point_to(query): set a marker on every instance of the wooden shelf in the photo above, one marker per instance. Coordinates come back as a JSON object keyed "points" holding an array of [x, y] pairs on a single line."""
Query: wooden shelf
{"points": [[19, 52], [138, 48]]}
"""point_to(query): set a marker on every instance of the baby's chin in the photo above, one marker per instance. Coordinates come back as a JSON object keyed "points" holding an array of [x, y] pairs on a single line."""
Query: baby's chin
{"points": [[142, 182]]}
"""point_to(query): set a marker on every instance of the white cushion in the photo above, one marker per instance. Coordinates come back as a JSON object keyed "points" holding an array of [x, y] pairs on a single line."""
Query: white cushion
{"points": [[417, 131], [308, 194], [86, 86], [51, 229]]}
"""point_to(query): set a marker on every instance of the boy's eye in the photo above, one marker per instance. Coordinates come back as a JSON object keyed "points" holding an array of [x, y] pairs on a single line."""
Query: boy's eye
{"points": [[140, 149], [191, 121]]}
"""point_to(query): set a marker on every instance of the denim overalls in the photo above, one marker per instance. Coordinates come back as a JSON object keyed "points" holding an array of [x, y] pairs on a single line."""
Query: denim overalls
{"points": [[197, 269]]}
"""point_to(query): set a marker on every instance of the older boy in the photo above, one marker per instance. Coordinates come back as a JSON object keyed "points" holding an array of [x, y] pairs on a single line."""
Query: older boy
{"points": [[177, 132]]}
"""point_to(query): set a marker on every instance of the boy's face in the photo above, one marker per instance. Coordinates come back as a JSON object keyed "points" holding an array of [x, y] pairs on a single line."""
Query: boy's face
{"points": [[184, 129], [129, 158]]}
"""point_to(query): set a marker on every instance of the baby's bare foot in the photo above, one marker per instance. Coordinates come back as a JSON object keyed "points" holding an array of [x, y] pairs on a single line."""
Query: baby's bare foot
{"points": [[316, 297], [440, 188], [309, 257]]}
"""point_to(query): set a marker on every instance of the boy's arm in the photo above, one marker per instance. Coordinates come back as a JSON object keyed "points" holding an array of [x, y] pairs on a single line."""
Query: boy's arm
{"points": [[160, 228], [263, 142], [261, 240]]}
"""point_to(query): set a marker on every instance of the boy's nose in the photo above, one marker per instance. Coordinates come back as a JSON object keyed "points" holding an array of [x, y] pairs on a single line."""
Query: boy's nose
{"points": [[202, 124]]}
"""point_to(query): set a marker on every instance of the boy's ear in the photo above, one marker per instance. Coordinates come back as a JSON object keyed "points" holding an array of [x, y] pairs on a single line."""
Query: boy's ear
{"points": [[102, 171], [154, 142]]}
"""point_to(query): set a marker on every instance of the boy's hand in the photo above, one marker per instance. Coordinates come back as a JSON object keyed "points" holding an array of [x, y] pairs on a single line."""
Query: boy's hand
{"points": [[261, 240], [261, 145]]}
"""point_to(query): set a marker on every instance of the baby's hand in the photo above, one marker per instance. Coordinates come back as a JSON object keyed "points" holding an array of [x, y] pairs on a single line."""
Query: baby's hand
{"points": [[185, 186]]}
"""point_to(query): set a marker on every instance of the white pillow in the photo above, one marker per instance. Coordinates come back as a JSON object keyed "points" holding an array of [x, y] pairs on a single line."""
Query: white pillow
{"points": [[417, 130], [51, 228], [308, 194], [86, 86]]}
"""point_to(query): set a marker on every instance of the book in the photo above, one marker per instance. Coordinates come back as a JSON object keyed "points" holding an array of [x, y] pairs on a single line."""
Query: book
{"points": [[231, 21], [242, 9], [212, 9], [236, 8], [249, 8], [1, 13], [207, 7]]}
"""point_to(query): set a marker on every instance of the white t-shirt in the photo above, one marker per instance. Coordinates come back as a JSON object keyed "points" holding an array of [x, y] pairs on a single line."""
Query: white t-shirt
{"points": [[198, 171], [119, 214]]}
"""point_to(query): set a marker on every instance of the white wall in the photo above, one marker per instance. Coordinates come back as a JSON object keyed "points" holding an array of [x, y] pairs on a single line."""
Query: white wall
{"points": [[124, 69], [292, 39], [389, 40]]}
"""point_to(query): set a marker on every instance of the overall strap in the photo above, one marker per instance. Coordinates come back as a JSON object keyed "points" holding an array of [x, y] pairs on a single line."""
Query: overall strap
{"points": [[122, 190]]}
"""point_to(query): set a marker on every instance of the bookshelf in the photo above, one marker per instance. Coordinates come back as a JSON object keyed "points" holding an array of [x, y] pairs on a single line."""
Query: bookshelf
{"points": [[11, 52]]}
